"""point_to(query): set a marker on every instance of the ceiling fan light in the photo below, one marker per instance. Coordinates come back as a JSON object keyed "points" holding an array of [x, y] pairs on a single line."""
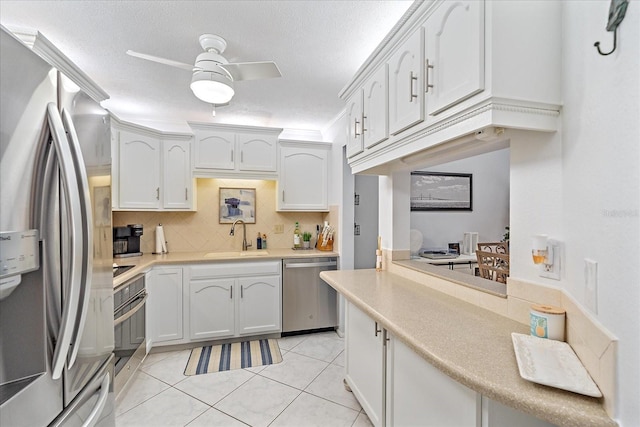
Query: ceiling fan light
{"points": [[211, 87]]}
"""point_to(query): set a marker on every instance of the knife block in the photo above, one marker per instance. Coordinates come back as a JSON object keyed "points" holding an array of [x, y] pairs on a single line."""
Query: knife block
{"points": [[325, 246]]}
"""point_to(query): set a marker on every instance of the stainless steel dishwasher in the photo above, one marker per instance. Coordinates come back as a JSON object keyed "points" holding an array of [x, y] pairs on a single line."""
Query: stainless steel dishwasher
{"points": [[308, 303]]}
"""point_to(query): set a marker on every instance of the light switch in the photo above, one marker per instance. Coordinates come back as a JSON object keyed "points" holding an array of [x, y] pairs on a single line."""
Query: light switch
{"points": [[591, 284], [278, 228]]}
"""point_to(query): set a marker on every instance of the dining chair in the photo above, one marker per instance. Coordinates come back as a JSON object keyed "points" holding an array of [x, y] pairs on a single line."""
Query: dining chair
{"points": [[495, 247], [493, 261]]}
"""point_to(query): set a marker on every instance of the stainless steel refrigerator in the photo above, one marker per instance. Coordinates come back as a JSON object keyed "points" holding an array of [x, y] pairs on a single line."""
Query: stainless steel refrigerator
{"points": [[56, 281]]}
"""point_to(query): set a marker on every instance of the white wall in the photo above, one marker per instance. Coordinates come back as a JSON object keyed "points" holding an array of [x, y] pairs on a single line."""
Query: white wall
{"points": [[366, 216], [582, 185], [601, 179], [490, 203], [341, 184]]}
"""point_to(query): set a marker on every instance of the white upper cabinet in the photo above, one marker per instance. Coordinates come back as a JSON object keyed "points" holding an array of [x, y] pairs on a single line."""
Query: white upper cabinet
{"points": [[456, 67], [235, 151], [303, 184], [454, 55], [406, 76], [258, 151], [139, 165], [151, 170], [178, 184], [215, 149], [375, 108], [354, 125]]}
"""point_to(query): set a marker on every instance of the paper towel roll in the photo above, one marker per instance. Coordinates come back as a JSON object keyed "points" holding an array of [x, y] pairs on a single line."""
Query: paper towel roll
{"points": [[161, 244]]}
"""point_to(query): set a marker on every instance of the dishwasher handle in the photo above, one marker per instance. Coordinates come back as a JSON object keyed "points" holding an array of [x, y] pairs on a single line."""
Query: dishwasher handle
{"points": [[311, 264]]}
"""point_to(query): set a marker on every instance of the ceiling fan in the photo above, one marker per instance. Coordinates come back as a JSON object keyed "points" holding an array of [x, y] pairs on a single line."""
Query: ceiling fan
{"points": [[213, 76]]}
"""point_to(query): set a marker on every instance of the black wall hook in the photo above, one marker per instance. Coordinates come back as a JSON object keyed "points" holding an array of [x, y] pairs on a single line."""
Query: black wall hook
{"points": [[615, 37], [617, 10]]}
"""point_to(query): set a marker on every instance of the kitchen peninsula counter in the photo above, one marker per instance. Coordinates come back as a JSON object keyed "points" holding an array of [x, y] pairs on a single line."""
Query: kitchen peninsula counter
{"points": [[468, 343], [144, 262]]}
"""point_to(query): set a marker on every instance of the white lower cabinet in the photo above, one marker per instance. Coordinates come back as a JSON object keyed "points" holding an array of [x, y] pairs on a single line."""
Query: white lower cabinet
{"points": [[234, 299], [418, 394], [164, 306], [365, 362], [397, 387], [211, 308], [259, 305], [495, 414]]}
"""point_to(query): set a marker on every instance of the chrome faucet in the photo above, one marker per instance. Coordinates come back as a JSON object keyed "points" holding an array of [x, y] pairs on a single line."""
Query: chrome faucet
{"points": [[245, 245]]}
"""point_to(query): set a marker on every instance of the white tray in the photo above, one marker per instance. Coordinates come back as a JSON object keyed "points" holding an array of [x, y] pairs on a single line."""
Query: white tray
{"points": [[552, 363]]}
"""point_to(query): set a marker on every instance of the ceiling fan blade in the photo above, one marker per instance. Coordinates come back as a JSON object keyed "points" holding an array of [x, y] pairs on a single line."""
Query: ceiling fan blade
{"points": [[252, 70], [159, 60]]}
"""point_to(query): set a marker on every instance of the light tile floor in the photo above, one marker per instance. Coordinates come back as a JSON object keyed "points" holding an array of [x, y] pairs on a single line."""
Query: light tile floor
{"points": [[305, 389]]}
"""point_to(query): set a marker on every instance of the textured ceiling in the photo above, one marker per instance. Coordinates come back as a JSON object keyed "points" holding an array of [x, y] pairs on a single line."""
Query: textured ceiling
{"points": [[318, 46]]}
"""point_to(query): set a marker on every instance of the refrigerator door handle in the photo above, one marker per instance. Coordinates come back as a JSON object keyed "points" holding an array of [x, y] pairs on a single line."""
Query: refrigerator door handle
{"points": [[94, 416], [84, 283], [69, 183]]}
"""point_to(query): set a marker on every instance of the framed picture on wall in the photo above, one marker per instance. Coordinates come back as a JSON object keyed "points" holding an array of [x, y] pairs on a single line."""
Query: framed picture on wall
{"points": [[441, 191], [237, 203]]}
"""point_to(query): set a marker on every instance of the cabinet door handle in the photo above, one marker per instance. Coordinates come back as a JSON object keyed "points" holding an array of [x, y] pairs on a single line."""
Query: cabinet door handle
{"points": [[283, 195], [411, 79], [377, 331], [231, 156], [241, 156], [158, 193], [241, 291], [426, 76], [355, 128], [231, 292], [363, 128], [186, 194]]}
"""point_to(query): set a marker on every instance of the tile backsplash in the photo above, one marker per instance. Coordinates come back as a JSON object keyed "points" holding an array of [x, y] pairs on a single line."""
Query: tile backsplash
{"points": [[201, 230]]}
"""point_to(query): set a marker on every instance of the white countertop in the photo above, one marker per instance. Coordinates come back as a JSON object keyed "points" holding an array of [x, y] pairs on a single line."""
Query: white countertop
{"points": [[470, 344], [144, 262]]}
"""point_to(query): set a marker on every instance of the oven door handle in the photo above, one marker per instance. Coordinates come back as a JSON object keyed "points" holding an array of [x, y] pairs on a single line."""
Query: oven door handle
{"points": [[130, 313]]}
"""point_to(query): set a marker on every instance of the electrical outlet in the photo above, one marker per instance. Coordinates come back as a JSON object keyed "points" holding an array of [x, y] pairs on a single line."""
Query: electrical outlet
{"points": [[591, 284], [278, 228], [552, 271]]}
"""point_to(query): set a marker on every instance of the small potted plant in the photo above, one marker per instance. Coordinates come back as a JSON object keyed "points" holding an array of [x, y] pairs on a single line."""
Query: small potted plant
{"points": [[306, 240]]}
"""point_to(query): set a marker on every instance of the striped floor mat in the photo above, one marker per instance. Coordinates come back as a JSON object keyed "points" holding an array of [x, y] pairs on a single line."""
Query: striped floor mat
{"points": [[236, 355]]}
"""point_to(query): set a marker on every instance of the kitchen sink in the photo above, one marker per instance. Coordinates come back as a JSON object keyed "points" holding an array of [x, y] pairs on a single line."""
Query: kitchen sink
{"points": [[254, 253], [235, 254]]}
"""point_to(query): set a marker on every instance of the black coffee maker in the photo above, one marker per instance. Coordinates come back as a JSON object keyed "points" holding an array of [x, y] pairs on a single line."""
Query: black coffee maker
{"points": [[126, 241]]}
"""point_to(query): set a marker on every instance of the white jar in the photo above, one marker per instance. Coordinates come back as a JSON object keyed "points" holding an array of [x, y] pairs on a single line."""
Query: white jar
{"points": [[547, 321]]}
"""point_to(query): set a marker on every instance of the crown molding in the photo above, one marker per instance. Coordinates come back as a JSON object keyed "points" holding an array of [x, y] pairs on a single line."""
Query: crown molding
{"points": [[50, 53]]}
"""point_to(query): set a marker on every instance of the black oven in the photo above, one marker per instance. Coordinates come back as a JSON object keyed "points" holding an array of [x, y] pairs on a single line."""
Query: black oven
{"points": [[129, 333]]}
